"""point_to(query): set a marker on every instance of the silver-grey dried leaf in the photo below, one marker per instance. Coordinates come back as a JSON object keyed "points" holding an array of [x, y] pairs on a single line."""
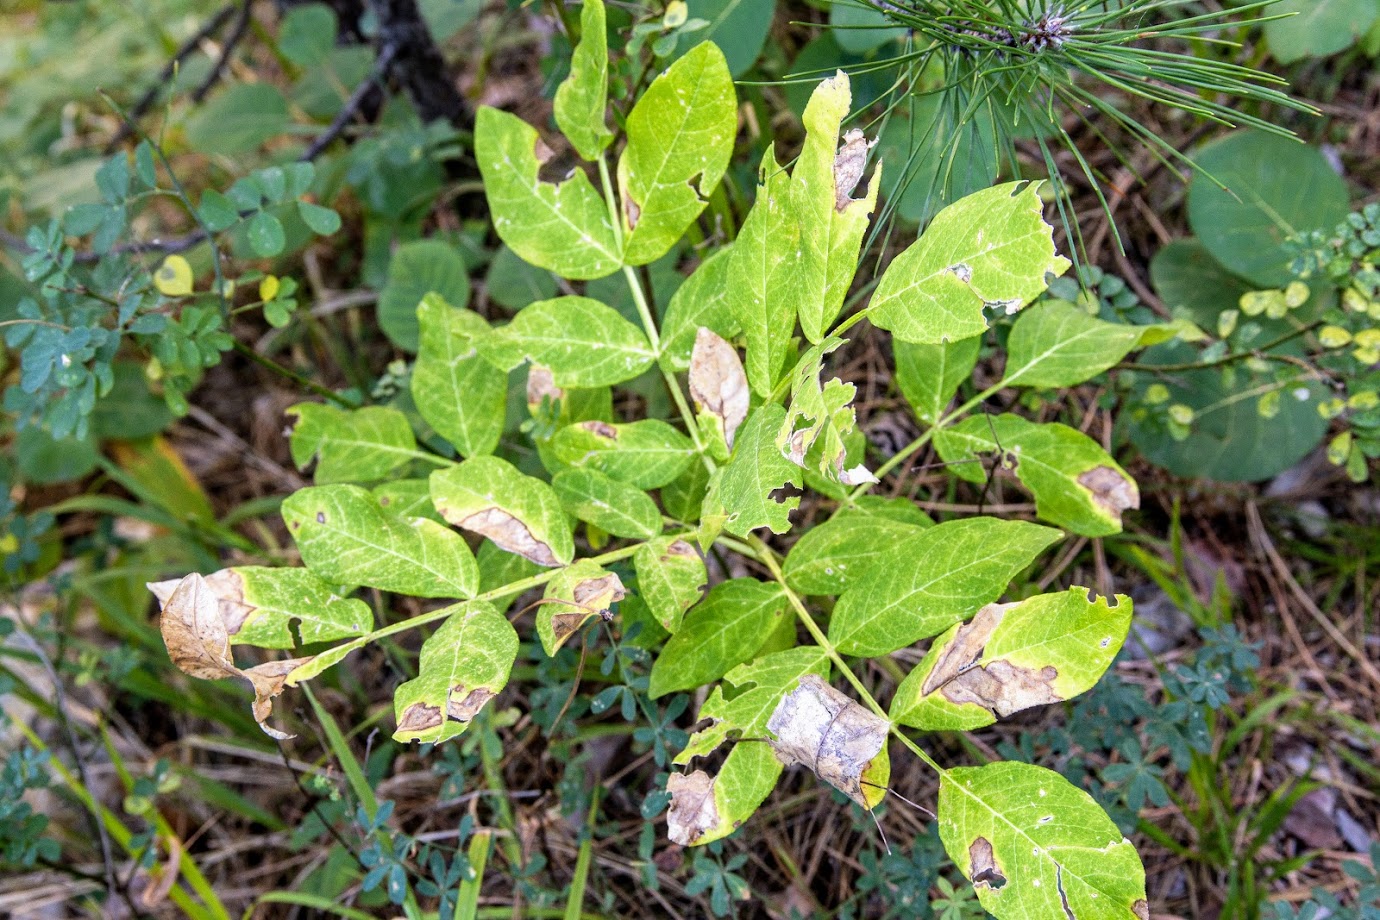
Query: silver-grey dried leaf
{"points": [[693, 812], [849, 164], [821, 728]]}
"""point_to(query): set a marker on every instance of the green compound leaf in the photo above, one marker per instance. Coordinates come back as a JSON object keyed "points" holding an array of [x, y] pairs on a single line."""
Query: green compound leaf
{"points": [[488, 496], [1075, 483], [702, 301], [765, 273], [923, 585], [990, 250], [266, 235], [463, 665], [577, 594], [346, 538], [680, 139], [407, 498], [718, 634], [832, 222], [670, 577], [740, 490], [751, 770], [259, 605], [419, 268], [1010, 657], [1057, 344], [930, 375], [563, 227], [582, 98], [359, 445], [1275, 188], [820, 418], [614, 507], [834, 555], [462, 396], [581, 341], [646, 454], [1035, 845]]}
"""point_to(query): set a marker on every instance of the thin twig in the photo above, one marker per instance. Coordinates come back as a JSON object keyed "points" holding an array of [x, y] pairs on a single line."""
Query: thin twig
{"points": [[237, 32], [353, 104], [146, 101], [1267, 548], [295, 377]]}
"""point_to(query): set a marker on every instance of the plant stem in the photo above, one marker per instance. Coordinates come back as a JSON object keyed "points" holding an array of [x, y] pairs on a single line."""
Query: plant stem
{"points": [[905, 453], [764, 554], [644, 311], [1259, 352], [295, 377], [516, 587]]}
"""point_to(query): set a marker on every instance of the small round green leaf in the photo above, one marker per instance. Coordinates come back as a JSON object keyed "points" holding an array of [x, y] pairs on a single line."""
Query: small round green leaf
{"points": [[322, 221], [1276, 187], [266, 235]]}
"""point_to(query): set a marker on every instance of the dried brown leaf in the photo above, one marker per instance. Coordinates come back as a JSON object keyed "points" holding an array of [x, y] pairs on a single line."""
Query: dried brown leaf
{"points": [[982, 864], [718, 383], [197, 636], [821, 728], [998, 686], [228, 587], [693, 811], [541, 385], [602, 429], [509, 534], [849, 164], [1111, 489]]}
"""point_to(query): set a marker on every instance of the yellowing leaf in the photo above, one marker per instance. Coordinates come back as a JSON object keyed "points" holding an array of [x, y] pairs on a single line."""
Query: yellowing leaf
{"points": [[1035, 845], [740, 491], [174, 277], [832, 221], [582, 97], [358, 445], [463, 665], [680, 139], [990, 251], [1074, 481], [268, 288], [578, 593], [564, 226], [521, 514], [259, 606], [1011, 657]]}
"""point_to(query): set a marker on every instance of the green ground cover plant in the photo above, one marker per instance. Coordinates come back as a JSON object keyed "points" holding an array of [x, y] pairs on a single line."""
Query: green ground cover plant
{"points": [[757, 425]]}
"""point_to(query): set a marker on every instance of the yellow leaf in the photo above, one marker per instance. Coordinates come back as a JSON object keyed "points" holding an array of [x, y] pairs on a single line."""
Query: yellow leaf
{"points": [[268, 288], [174, 277]]}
